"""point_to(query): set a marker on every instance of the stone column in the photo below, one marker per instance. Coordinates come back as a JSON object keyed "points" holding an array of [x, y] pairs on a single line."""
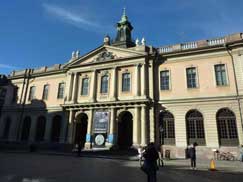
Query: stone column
{"points": [[111, 137], [143, 126], [69, 86], [93, 86], [75, 88], [136, 124], [32, 132], [88, 143], [137, 80], [64, 130], [70, 127], [114, 84]]}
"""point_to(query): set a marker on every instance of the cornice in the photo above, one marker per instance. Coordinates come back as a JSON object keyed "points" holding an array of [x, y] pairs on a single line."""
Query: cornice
{"points": [[200, 99]]}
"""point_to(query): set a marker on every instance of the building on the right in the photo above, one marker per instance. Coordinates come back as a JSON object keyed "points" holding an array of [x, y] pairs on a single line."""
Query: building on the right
{"points": [[200, 94]]}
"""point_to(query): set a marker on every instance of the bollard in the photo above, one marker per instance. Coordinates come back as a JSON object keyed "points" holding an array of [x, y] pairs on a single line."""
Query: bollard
{"points": [[212, 165]]}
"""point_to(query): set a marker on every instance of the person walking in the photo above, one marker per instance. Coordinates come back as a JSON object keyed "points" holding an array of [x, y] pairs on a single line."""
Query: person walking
{"points": [[193, 156], [151, 156], [241, 153], [140, 154]]}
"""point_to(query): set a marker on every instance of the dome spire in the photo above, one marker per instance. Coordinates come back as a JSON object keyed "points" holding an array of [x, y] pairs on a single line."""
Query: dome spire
{"points": [[124, 32], [124, 17], [124, 11]]}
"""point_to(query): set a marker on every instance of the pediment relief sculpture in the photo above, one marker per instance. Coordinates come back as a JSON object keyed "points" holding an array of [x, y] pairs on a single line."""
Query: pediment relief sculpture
{"points": [[105, 56]]}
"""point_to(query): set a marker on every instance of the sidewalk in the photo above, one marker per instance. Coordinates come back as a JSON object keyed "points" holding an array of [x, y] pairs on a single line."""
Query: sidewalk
{"points": [[203, 165]]}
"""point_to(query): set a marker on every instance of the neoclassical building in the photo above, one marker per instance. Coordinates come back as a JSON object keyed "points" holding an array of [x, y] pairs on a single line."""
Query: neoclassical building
{"points": [[125, 94]]}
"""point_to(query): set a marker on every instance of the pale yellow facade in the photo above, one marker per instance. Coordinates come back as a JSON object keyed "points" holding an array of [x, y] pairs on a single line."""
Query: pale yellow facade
{"points": [[134, 115]]}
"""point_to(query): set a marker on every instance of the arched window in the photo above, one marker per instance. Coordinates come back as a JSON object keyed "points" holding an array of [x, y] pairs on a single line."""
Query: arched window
{"points": [[26, 129], [6, 130], [167, 128], [227, 129], [56, 128], [40, 128], [104, 84], [195, 127]]}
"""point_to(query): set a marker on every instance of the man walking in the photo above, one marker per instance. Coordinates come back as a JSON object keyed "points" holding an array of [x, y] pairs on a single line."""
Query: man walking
{"points": [[193, 156]]}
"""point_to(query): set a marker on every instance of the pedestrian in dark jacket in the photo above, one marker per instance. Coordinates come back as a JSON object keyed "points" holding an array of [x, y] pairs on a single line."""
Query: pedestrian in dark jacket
{"points": [[193, 155], [151, 156]]}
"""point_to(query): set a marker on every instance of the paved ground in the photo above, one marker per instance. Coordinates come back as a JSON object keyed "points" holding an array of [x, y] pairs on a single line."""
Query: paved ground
{"points": [[27, 167]]}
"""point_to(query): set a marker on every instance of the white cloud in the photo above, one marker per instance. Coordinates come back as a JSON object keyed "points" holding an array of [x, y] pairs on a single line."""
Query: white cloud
{"points": [[78, 20], [8, 66]]}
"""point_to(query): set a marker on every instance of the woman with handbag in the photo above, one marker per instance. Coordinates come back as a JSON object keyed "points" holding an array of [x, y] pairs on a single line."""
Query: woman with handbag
{"points": [[150, 163]]}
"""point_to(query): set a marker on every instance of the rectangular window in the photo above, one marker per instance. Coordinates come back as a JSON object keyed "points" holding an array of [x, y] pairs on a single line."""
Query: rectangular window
{"points": [[60, 93], [164, 80], [104, 84], [126, 79], [85, 86], [32, 93], [220, 74], [45, 92], [191, 77]]}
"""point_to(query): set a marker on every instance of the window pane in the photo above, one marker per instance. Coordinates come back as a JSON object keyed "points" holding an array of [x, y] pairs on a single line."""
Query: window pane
{"points": [[45, 92], [220, 74], [60, 91], [32, 93], [104, 84], [191, 77], [164, 80], [126, 82], [85, 86], [232, 129]]}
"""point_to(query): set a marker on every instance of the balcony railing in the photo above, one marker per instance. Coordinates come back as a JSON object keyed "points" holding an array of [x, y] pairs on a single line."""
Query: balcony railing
{"points": [[165, 49], [217, 41], [189, 45]]}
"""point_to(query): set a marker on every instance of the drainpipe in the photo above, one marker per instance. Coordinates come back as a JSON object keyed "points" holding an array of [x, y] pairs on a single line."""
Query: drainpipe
{"points": [[229, 51]]}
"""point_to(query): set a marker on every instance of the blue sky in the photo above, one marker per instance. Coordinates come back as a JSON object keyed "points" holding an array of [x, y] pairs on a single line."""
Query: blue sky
{"points": [[35, 33]]}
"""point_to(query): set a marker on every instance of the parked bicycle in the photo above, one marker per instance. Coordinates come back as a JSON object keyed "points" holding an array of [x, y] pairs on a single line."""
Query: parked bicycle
{"points": [[225, 156]]}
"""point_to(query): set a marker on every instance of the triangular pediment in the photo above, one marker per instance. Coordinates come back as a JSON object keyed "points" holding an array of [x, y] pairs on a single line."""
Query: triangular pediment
{"points": [[103, 54]]}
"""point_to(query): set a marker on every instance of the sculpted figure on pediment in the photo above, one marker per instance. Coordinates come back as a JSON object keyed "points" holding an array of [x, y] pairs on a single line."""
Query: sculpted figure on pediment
{"points": [[104, 56]]}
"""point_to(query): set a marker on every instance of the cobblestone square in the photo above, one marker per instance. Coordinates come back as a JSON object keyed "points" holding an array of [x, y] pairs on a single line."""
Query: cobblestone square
{"points": [[25, 167]]}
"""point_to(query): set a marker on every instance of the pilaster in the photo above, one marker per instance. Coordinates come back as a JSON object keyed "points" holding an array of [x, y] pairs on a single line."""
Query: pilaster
{"points": [[88, 143], [111, 136], [137, 80], [70, 127], [75, 84], [136, 127], [114, 84], [143, 126], [143, 81], [93, 88]]}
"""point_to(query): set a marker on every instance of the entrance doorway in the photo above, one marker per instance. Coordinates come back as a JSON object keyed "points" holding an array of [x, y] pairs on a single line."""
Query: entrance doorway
{"points": [[81, 129], [125, 128]]}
